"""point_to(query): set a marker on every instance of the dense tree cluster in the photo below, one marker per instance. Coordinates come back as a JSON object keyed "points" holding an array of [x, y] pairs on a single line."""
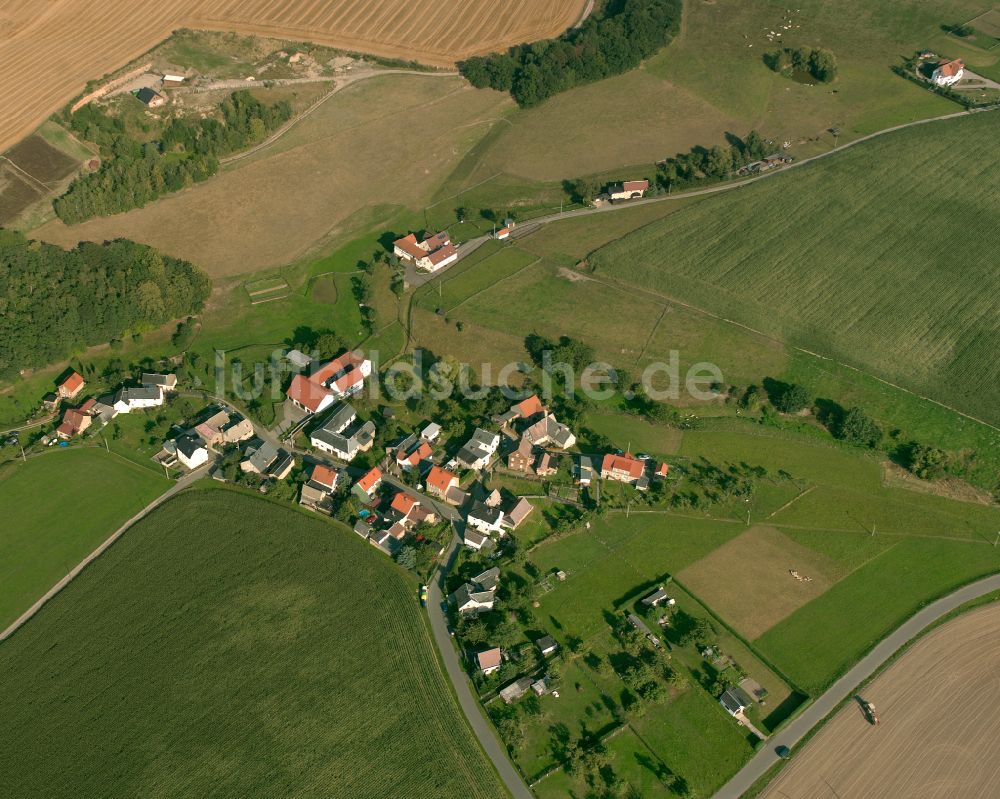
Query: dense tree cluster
{"points": [[134, 173], [54, 301], [819, 63], [714, 163], [611, 41]]}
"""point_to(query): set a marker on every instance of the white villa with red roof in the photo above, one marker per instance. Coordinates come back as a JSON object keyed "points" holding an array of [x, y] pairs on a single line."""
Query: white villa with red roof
{"points": [[334, 380], [434, 252], [71, 386], [948, 72], [625, 469]]}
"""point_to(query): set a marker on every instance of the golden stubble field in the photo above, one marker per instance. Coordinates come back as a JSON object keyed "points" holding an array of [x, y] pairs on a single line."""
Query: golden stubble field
{"points": [[284, 202], [49, 49], [938, 731]]}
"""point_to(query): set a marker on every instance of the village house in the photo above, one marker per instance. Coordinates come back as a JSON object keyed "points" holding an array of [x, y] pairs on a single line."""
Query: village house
{"points": [[948, 73], [526, 409], [473, 539], [75, 421], [166, 382], [584, 471], [191, 451], [735, 700], [625, 469], [334, 380], [657, 598], [546, 465], [263, 458], [523, 458], [478, 594], [317, 492], [71, 385], [484, 519], [518, 513], [407, 513], [548, 431], [431, 432], [489, 661], [440, 482], [628, 190], [433, 253], [150, 98], [368, 485], [133, 398], [515, 690], [412, 453], [479, 450], [662, 471], [343, 435]]}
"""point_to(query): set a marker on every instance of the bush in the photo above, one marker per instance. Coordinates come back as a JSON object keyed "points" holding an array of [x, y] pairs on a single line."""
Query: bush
{"points": [[857, 427]]}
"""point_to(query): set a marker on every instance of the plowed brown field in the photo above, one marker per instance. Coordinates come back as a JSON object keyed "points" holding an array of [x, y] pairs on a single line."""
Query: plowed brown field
{"points": [[938, 733], [50, 48]]}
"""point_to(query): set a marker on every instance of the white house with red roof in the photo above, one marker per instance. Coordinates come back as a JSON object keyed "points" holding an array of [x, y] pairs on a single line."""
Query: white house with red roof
{"points": [[71, 385], [334, 380], [629, 189], [625, 469], [441, 481], [433, 253], [368, 485], [412, 453], [948, 72]]}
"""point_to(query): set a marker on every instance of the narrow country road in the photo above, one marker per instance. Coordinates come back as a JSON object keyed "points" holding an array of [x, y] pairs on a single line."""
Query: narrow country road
{"points": [[846, 685], [470, 705], [176, 488]]}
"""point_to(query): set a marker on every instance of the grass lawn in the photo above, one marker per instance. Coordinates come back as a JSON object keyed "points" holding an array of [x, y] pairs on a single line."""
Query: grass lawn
{"points": [[821, 640], [235, 659], [643, 436], [924, 318], [88, 494]]}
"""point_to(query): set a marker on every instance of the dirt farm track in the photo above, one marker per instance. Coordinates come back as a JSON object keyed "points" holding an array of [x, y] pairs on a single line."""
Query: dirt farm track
{"points": [[49, 49], [939, 732]]}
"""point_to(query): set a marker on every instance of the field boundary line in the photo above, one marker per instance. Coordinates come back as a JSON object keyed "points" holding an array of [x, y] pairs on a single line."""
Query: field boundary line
{"points": [[791, 502], [494, 284], [175, 489], [35, 181]]}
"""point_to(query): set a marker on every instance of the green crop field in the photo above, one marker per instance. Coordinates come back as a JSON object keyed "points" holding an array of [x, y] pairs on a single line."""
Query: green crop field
{"points": [[235, 648], [56, 509], [882, 257]]}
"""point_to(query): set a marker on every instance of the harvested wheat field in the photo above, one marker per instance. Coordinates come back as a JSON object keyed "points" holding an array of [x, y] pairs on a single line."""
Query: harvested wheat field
{"points": [[939, 732], [49, 50]]}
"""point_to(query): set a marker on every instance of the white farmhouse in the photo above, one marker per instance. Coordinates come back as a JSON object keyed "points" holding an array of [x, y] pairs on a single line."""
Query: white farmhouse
{"points": [[948, 72]]}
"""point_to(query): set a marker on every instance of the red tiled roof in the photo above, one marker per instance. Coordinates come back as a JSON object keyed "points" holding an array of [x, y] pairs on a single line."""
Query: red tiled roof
{"points": [[73, 382], [306, 392], [530, 406], [439, 255], [951, 68], [408, 244], [635, 185], [623, 463], [421, 453], [369, 481], [324, 475], [404, 503], [489, 659], [441, 479], [663, 469], [88, 405]]}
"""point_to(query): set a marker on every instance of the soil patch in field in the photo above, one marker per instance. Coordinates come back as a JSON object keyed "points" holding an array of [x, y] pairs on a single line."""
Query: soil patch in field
{"points": [[749, 580]]}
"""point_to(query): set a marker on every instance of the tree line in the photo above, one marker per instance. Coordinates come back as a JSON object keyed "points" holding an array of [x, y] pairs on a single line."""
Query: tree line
{"points": [[134, 173], [54, 302], [613, 40]]}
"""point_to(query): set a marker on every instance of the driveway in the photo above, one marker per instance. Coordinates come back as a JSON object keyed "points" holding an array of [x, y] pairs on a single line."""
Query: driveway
{"points": [[848, 684], [470, 705]]}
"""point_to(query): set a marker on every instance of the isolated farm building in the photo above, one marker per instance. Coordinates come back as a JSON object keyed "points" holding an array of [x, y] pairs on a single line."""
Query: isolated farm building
{"points": [[657, 598], [735, 700], [547, 645], [74, 422], [171, 79], [512, 518], [440, 482], [431, 432], [515, 690], [628, 190], [137, 397], [191, 451], [412, 452], [150, 98], [166, 382], [489, 661], [624, 469], [334, 380], [71, 385], [479, 450], [948, 72], [368, 485], [433, 253], [548, 431], [485, 519], [502, 234]]}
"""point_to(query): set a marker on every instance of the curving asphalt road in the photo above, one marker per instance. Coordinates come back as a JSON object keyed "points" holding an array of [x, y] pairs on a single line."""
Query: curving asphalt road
{"points": [[470, 705], [846, 685]]}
